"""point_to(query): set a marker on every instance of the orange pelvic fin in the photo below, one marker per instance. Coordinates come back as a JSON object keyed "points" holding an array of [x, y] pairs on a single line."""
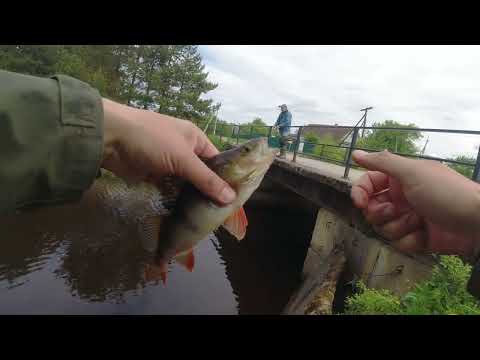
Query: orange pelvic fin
{"points": [[236, 224], [186, 259]]}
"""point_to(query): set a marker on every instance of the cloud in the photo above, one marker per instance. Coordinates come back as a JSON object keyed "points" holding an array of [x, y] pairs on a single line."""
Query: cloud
{"points": [[431, 86]]}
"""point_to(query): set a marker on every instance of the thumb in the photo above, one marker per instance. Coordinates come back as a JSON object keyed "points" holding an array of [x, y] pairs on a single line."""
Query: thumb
{"points": [[386, 162], [205, 180]]}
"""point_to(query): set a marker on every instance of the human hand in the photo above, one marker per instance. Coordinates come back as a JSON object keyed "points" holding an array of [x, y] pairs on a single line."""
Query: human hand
{"points": [[144, 145], [429, 207]]}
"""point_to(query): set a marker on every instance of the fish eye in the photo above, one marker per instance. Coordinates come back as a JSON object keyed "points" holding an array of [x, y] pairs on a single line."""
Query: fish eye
{"points": [[246, 149]]}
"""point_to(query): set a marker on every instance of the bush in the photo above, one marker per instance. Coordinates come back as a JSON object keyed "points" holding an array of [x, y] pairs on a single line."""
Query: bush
{"points": [[329, 152], [444, 293], [372, 302], [465, 170], [220, 145]]}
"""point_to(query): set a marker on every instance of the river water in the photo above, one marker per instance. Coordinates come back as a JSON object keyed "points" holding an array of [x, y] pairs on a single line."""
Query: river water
{"points": [[87, 258]]}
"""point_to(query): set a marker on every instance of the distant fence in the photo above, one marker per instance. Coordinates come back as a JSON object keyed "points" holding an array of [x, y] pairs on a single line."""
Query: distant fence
{"points": [[338, 154]]}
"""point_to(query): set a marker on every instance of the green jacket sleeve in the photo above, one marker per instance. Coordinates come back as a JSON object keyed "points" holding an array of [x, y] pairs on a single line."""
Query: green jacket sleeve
{"points": [[51, 139]]}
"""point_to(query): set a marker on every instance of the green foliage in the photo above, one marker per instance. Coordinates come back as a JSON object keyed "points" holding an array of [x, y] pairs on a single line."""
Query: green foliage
{"points": [[259, 127], [256, 127], [443, 294], [372, 302], [29, 59], [224, 128], [392, 140], [311, 137], [220, 145], [329, 152], [465, 170], [166, 78]]}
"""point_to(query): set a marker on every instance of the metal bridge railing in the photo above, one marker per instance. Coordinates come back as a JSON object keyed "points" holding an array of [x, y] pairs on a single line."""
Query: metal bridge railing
{"points": [[338, 154]]}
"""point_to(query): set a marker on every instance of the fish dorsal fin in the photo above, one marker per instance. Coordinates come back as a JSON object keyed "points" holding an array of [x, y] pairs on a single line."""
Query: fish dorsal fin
{"points": [[149, 230], [236, 224], [186, 259]]}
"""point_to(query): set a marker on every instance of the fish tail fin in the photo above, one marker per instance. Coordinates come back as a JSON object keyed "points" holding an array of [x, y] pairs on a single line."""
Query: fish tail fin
{"points": [[155, 272], [163, 276], [236, 224], [186, 259]]}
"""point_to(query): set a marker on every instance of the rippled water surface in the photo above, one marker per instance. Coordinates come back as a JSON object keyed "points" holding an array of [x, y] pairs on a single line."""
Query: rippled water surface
{"points": [[87, 258]]}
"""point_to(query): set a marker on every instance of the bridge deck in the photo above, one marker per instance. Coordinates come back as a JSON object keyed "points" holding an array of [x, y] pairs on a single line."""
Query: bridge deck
{"points": [[326, 168], [322, 183]]}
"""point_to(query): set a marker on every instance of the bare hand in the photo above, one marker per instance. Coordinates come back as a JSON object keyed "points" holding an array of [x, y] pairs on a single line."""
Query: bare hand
{"points": [[143, 145], [429, 207]]}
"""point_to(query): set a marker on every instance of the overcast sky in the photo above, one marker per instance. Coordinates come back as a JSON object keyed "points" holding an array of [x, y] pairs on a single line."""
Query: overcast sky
{"points": [[431, 86]]}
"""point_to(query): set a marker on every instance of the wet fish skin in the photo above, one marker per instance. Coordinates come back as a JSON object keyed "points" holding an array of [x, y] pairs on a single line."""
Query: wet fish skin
{"points": [[195, 216]]}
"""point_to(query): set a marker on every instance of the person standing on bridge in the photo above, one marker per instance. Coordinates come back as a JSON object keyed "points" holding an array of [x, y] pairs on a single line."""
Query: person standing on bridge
{"points": [[283, 124]]}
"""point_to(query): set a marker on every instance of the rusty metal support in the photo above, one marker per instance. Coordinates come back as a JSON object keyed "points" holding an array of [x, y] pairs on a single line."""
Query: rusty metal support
{"points": [[297, 143], [476, 170], [350, 151]]}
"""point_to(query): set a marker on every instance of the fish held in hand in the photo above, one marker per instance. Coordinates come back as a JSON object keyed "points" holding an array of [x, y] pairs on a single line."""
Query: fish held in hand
{"points": [[196, 216]]}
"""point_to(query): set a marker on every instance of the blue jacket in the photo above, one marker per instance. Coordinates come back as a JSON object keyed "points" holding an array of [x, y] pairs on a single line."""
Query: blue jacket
{"points": [[284, 120]]}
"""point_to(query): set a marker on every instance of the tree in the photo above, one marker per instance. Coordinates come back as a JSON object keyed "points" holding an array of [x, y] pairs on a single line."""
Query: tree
{"points": [[170, 79], [392, 140], [29, 59], [465, 170], [259, 127], [187, 83]]}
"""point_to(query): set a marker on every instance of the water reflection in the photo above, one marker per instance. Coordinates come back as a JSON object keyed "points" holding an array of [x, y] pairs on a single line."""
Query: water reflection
{"points": [[265, 268], [88, 258]]}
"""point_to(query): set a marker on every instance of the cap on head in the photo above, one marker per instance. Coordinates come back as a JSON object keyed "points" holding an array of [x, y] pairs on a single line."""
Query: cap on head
{"points": [[283, 107]]}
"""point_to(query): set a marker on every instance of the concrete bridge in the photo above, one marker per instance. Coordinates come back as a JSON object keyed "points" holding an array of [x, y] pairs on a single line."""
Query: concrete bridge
{"points": [[341, 240]]}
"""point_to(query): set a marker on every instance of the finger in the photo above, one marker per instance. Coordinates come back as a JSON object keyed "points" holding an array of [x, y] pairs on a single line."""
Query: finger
{"points": [[205, 180], [400, 227], [204, 147], [390, 164], [359, 197], [398, 197], [366, 186], [413, 243], [379, 213]]}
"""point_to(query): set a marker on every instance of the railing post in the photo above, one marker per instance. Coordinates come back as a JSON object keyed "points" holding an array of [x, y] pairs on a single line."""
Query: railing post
{"points": [[350, 151], [269, 134], [238, 133], [476, 170], [321, 151], [297, 145], [221, 133]]}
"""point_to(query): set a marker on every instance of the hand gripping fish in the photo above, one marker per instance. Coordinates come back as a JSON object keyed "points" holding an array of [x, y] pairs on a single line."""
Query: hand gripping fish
{"points": [[195, 216]]}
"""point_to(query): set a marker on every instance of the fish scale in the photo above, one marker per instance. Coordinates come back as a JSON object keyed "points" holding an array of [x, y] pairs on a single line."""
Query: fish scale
{"points": [[194, 216]]}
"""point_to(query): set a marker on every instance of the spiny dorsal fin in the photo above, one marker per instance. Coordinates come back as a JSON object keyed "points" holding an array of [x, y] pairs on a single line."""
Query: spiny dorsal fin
{"points": [[236, 224], [186, 259]]}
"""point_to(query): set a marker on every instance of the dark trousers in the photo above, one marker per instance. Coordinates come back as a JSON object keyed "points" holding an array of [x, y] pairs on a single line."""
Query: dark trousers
{"points": [[283, 141]]}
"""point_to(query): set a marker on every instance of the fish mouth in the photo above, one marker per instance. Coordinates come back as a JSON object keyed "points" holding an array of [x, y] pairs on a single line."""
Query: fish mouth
{"points": [[264, 149]]}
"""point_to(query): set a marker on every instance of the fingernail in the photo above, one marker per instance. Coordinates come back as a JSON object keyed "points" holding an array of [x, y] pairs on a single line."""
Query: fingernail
{"points": [[360, 153], [227, 195]]}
